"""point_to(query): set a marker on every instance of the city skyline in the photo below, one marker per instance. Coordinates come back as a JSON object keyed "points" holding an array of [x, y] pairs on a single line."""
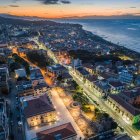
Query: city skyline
{"points": [[69, 69], [70, 8]]}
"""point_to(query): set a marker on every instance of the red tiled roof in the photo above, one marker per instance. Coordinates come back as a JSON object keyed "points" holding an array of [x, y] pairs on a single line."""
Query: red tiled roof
{"points": [[132, 110], [38, 106], [65, 131]]}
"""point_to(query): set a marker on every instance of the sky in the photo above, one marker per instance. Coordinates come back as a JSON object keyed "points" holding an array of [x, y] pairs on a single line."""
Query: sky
{"points": [[70, 8]]}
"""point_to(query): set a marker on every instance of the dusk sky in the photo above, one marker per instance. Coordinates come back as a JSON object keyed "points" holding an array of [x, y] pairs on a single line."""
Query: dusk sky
{"points": [[70, 8]]}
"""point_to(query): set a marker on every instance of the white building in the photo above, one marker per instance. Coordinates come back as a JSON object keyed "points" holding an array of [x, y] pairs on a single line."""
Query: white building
{"points": [[20, 73], [4, 127], [76, 63], [125, 77], [36, 76]]}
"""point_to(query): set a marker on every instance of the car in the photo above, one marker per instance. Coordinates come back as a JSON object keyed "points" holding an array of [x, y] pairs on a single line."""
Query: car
{"points": [[20, 123]]}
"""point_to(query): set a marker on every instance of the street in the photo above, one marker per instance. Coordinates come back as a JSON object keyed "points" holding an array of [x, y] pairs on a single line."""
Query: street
{"points": [[63, 113], [127, 127], [16, 130]]}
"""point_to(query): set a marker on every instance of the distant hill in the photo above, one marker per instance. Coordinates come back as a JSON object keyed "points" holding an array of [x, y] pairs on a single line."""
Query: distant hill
{"points": [[8, 19], [34, 18], [105, 17], [21, 17]]}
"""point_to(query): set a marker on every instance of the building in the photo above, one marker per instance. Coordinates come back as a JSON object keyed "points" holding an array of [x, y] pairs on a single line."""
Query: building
{"points": [[137, 80], [3, 58], [89, 67], [108, 76], [61, 132], [4, 76], [81, 72], [63, 57], [128, 112], [116, 87], [76, 63], [100, 69], [102, 88], [19, 73], [40, 89], [66, 77], [90, 81], [3, 47], [131, 96], [4, 127], [36, 76], [38, 110], [25, 88], [125, 77], [56, 70]]}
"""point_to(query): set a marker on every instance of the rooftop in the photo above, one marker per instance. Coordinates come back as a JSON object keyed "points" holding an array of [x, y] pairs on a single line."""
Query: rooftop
{"points": [[132, 110], [56, 67], [88, 65], [66, 76], [116, 84], [57, 133], [83, 71], [41, 85], [37, 105], [132, 93], [108, 75], [92, 78]]}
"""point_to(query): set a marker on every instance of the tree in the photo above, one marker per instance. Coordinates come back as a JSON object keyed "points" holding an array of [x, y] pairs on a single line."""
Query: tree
{"points": [[114, 125], [4, 90], [37, 59], [59, 78], [14, 66]]}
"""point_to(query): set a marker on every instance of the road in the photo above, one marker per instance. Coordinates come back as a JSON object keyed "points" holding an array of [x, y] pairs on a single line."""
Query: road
{"points": [[48, 80], [127, 127], [17, 131], [64, 114]]}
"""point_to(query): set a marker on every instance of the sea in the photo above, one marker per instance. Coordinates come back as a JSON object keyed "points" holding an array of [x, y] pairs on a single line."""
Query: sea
{"points": [[125, 32]]}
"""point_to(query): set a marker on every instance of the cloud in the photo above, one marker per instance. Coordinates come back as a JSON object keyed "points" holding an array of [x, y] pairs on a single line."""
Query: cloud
{"points": [[133, 7], [137, 14], [14, 6], [47, 2], [65, 2]]}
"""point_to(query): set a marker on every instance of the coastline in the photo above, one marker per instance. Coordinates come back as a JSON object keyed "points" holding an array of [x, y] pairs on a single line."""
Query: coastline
{"points": [[120, 48]]}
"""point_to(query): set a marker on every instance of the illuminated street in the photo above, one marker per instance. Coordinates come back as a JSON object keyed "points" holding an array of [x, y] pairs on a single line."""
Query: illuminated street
{"points": [[63, 113], [69, 70], [48, 80], [128, 128]]}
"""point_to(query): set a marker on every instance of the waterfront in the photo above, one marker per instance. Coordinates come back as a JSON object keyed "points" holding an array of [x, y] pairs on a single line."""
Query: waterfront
{"points": [[125, 32]]}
